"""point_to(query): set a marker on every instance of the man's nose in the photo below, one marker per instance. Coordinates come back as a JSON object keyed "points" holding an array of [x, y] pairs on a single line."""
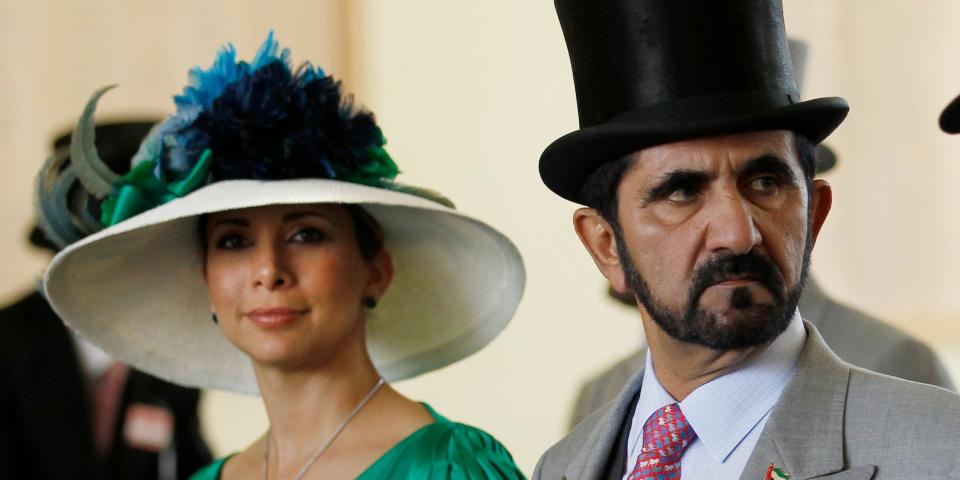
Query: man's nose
{"points": [[731, 225], [270, 268]]}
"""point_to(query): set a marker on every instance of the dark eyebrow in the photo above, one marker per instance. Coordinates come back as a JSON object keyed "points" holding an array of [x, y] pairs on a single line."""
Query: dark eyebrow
{"points": [[769, 163], [301, 214], [675, 180], [229, 221]]}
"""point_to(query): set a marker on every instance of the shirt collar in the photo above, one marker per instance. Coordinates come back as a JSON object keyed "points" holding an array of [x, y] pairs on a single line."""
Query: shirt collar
{"points": [[723, 411]]}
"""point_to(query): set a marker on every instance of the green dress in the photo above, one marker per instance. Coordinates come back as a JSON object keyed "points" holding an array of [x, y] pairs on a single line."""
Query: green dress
{"points": [[443, 450]]}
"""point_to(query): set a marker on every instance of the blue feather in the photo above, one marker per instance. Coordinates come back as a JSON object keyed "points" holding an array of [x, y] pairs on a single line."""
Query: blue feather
{"points": [[270, 52], [263, 120]]}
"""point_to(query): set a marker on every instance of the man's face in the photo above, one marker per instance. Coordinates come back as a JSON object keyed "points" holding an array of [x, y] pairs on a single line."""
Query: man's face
{"points": [[715, 236]]}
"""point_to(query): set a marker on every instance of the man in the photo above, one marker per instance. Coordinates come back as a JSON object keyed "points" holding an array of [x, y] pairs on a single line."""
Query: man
{"points": [[66, 409], [695, 158], [855, 336]]}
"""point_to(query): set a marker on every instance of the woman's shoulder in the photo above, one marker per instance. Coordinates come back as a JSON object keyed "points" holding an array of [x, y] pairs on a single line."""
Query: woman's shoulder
{"points": [[447, 450]]}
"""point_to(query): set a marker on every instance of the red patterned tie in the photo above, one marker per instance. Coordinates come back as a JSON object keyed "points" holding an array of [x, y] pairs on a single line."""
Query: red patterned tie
{"points": [[666, 435]]}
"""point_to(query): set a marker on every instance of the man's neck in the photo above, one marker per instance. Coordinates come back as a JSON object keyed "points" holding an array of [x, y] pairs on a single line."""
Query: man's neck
{"points": [[683, 367]]}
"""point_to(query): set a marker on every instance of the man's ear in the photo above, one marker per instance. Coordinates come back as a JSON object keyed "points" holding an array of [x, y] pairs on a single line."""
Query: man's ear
{"points": [[598, 237], [821, 198]]}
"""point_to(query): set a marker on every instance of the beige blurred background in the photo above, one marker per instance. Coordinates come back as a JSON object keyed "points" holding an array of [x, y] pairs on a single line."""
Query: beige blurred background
{"points": [[468, 94]]}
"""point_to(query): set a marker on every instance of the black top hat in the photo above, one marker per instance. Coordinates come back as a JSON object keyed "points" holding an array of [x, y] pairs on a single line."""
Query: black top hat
{"points": [[116, 142], [649, 72]]}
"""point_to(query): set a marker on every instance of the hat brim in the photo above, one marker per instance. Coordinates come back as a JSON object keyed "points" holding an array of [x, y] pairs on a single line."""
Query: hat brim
{"points": [[569, 160], [136, 289]]}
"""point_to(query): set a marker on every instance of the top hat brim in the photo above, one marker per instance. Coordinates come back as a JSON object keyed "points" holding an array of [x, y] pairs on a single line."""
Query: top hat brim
{"points": [[568, 161]]}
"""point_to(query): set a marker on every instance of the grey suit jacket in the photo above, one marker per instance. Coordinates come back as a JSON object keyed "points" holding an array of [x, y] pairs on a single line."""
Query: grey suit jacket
{"points": [[856, 337], [833, 421]]}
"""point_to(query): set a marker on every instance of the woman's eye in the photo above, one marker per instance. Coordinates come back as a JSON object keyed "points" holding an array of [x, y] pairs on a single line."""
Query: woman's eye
{"points": [[232, 242], [308, 235]]}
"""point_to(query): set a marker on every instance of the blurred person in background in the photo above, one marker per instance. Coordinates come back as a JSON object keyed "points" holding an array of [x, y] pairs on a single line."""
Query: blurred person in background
{"points": [[695, 163], [261, 245], [67, 409], [855, 336]]}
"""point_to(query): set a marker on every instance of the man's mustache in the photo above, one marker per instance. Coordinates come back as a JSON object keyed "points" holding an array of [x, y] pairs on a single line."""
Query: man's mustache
{"points": [[750, 265]]}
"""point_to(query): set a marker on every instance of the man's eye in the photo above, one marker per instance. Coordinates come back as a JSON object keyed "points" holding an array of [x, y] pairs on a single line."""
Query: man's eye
{"points": [[764, 184], [308, 235], [683, 194], [232, 242]]}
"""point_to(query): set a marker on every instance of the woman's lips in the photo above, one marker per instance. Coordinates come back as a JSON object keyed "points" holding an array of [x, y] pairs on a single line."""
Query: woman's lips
{"points": [[274, 317]]}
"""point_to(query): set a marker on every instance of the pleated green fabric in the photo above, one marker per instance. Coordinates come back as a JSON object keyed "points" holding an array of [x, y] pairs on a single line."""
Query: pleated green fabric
{"points": [[443, 450]]}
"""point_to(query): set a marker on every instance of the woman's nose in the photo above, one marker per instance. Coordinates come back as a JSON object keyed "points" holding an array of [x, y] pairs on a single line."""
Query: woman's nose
{"points": [[271, 271]]}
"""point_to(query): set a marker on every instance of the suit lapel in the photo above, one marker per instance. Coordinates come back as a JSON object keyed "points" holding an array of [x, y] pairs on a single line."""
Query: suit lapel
{"points": [[857, 473], [593, 458], [804, 433]]}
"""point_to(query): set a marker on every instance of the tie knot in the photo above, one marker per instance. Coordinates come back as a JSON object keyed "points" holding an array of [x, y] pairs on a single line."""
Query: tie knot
{"points": [[667, 433]]}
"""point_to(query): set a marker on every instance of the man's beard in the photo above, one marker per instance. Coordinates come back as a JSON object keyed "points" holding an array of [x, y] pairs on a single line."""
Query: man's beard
{"points": [[755, 324]]}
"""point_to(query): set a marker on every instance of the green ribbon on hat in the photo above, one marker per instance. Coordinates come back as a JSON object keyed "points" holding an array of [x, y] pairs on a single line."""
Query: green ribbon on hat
{"points": [[380, 170], [140, 189]]}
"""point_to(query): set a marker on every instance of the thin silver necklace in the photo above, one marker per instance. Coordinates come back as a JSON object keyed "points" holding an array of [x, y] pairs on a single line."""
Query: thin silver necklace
{"points": [[326, 445]]}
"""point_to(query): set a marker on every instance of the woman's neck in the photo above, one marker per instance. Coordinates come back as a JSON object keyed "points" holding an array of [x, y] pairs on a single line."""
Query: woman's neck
{"points": [[306, 406]]}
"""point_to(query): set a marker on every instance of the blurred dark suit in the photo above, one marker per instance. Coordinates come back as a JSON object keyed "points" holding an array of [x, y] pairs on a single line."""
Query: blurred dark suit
{"points": [[854, 336], [45, 408]]}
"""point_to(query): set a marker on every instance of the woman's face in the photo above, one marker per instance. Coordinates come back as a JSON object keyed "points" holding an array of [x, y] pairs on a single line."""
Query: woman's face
{"points": [[287, 282]]}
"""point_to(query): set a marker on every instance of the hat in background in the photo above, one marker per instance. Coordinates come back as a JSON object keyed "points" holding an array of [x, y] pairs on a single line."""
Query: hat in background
{"points": [[950, 117]]}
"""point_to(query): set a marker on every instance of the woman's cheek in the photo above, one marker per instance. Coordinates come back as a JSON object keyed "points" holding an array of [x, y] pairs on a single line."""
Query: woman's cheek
{"points": [[224, 287]]}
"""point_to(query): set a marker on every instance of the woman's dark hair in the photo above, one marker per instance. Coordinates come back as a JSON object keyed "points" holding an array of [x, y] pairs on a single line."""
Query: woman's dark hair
{"points": [[600, 187], [365, 228]]}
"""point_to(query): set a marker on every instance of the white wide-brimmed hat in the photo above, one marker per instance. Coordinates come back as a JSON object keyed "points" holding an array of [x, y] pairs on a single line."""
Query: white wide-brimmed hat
{"points": [[136, 288]]}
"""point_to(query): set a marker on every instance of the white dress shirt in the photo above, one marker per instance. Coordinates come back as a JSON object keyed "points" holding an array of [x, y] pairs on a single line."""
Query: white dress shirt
{"points": [[728, 413]]}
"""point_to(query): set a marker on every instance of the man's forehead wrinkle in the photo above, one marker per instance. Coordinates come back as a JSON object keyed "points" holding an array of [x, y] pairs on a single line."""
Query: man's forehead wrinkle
{"points": [[661, 164]]}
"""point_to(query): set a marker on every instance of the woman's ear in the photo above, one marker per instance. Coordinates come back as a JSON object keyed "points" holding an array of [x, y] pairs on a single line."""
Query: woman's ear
{"points": [[381, 274]]}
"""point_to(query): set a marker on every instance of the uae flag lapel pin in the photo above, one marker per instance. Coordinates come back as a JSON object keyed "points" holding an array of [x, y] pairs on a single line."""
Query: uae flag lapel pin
{"points": [[774, 473]]}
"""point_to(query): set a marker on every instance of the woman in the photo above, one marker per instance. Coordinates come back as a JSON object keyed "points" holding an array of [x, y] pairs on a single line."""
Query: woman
{"points": [[260, 244]]}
